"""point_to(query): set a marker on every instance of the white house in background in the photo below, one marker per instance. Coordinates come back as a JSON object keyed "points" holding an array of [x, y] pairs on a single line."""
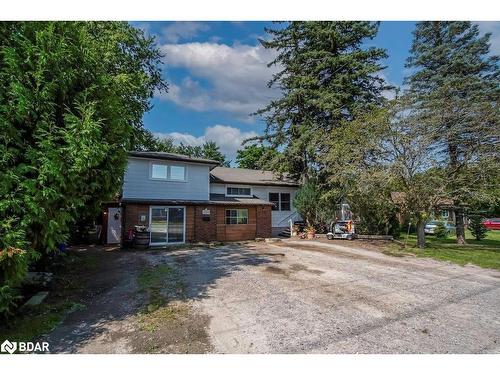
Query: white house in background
{"points": [[264, 185]]}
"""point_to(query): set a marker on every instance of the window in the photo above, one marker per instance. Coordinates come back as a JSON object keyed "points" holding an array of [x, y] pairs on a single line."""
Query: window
{"points": [[238, 191], [285, 201], [280, 201], [274, 198], [238, 216], [159, 171], [168, 172], [177, 173], [445, 214]]}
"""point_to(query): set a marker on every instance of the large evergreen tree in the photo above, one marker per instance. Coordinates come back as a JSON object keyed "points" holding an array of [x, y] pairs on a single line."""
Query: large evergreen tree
{"points": [[255, 156], [455, 82], [72, 97], [327, 74]]}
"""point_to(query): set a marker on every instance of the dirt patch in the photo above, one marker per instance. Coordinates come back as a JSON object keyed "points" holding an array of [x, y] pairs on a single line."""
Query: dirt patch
{"points": [[277, 270], [134, 304], [300, 267], [173, 328]]}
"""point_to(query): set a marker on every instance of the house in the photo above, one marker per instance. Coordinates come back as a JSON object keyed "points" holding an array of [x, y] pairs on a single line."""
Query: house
{"points": [[183, 199], [443, 211]]}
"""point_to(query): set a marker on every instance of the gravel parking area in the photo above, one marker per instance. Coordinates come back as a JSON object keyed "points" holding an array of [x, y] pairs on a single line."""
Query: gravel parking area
{"points": [[311, 297], [291, 297]]}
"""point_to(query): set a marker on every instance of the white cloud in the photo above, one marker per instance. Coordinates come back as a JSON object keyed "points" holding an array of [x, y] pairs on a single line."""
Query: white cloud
{"points": [[228, 138], [178, 31], [237, 77], [492, 27]]}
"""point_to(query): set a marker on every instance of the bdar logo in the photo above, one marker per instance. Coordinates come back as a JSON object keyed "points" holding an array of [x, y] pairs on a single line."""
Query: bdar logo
{"points": [[8, 346]]}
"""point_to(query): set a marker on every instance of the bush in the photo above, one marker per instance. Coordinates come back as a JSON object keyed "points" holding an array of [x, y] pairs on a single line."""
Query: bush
{"points": [[477, 228], [441, 231], [13, 266]]}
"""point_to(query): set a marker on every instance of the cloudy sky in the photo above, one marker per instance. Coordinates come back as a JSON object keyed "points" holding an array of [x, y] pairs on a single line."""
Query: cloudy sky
{"points": [[218, 74]]}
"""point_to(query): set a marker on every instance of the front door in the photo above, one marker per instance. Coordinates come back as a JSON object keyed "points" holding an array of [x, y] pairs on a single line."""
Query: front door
{"points": [[114, 225], [167, 225]]}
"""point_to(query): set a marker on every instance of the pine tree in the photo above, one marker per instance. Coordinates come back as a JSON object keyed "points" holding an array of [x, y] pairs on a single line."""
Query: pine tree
{"points": [[255, 156], [327, 75], [477, 228], [456, 85]]}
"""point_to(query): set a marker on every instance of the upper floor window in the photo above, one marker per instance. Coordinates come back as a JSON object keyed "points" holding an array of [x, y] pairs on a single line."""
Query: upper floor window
{"points": [[168, 172], [238, 191], [159, 171], [177, 172], [280, 201]]}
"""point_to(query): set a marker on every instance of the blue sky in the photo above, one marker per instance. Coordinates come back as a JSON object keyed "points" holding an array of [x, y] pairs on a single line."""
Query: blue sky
{"points": [[218, 75]]}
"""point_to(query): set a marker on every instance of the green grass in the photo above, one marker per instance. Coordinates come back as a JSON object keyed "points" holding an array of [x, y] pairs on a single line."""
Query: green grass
{"points": [[159, 283], [484, 253], [39, 320]]}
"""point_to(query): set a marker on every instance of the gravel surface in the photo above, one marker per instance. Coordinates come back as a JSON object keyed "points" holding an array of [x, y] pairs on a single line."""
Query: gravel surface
{"points": [[290, 297], [296, 297]]}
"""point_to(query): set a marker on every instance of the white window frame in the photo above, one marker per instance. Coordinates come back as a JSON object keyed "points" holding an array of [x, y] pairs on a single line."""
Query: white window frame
{"points": [[238, 187], [236, 209], [166, 234], [447, 216], [168, 165]]}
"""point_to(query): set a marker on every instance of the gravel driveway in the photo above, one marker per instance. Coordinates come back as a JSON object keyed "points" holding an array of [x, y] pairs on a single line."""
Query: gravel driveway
{"points": [[290, 297], [296, 297]]}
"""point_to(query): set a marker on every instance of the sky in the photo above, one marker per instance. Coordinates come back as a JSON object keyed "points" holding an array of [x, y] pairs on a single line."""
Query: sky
{"points": [[217, 74]]}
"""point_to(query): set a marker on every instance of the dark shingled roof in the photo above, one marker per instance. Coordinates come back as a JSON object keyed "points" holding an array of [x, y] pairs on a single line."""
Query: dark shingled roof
{"points": [[215, 199], [249, 176], [171, 156]]}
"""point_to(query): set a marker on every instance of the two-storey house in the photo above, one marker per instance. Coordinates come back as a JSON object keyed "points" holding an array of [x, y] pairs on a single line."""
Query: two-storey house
{"points": [[182, 199]]}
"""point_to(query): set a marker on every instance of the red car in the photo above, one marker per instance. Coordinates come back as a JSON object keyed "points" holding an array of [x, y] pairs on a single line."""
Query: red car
{"points": [[492, 223]]}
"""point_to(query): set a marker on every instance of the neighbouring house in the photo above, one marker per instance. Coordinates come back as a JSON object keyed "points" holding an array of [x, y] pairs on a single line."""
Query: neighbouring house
{"points": [[443, 211], [182, 199]]}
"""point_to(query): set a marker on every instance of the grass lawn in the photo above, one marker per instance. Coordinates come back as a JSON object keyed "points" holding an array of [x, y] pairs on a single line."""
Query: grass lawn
{"points": [[484, 253]]}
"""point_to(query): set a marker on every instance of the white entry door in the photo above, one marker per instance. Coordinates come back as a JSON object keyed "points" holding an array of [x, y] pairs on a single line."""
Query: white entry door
{"points": [[114, 225]]}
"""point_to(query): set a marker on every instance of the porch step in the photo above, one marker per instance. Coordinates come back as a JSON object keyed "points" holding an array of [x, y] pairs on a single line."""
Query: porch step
{"points": [[285, 233]]}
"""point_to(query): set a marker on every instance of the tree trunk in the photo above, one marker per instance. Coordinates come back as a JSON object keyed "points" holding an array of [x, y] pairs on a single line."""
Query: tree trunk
{"points": [[420, 234], [459, 222]]}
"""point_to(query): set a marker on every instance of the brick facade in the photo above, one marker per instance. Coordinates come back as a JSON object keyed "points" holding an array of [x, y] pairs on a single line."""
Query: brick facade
{"points": [[206, 228]]}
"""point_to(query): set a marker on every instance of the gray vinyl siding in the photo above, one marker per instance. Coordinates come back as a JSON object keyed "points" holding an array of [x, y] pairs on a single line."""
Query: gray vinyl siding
{"points": [[279, 218], [137, 182]]}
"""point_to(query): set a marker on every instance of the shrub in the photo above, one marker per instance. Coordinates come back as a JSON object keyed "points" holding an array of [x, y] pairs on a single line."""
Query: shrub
{"points": [[477, 228], [441, 231], [13, 266]]}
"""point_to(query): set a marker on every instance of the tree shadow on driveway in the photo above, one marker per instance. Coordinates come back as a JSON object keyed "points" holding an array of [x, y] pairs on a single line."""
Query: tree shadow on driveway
{"points": [[113, 298]]}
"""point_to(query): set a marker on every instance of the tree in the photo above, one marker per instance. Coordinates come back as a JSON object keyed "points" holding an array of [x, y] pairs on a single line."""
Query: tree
{"points": [[477, 228], [255, 156], [307, 202], [455, 82], [210, 150], [327, 73], [72, 97]]}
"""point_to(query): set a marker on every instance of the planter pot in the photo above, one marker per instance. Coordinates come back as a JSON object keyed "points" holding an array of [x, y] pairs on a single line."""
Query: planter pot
{"points": [[141, 240]]}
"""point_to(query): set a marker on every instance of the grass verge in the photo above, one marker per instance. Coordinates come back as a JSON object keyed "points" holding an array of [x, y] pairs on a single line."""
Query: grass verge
{"points": [[484, 253], [37, 321]]}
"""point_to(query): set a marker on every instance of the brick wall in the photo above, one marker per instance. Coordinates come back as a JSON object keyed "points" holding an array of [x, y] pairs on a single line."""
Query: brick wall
{"points": [[264, 223], [131, 216], [199, 230], [205, 231]]}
